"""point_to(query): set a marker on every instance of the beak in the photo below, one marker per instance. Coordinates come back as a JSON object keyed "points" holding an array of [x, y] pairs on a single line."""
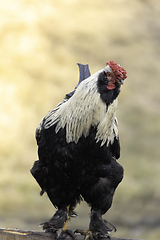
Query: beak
{"points": [[120, 82]]}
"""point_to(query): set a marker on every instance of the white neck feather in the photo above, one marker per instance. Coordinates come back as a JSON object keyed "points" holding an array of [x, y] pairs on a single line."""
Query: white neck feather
{"points": [[83, 110]]}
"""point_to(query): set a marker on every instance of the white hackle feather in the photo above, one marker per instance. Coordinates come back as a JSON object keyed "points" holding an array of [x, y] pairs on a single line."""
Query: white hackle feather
{"points": [[83, 110]]}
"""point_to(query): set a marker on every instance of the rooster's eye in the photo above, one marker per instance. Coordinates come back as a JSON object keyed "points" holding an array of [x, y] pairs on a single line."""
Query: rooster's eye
{"points": [[108, 74]]}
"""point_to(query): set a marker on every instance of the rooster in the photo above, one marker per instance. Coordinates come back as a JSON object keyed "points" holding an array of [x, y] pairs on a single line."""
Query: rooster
{"points": [[78, 148]]}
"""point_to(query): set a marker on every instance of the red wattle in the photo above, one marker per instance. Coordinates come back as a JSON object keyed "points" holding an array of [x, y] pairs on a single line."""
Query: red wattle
{"points": [[111, 86]]}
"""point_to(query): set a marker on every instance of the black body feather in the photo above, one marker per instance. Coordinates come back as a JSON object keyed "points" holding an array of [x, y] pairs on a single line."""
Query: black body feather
{"points": [[68, 170]]}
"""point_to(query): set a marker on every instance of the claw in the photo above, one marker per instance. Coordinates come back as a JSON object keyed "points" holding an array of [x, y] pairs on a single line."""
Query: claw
{"points": [[82, 232], [92, 235], [70, 233], [62, 234], [87, 233]]}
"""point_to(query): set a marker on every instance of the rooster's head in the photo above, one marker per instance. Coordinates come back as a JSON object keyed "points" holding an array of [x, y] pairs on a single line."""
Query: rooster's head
{"points": [[115, 74]]}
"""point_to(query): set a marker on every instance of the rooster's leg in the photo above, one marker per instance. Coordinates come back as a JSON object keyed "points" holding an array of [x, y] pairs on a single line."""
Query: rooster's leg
{"points": [[58, 224], [98, 227]]}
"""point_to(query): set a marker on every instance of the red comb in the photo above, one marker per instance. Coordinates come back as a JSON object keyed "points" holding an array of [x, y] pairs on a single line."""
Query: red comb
{"points": [[117, 70]]}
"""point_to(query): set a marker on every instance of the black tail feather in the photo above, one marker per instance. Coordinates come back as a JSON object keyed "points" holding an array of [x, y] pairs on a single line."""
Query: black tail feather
{"points": [[84, 73]]}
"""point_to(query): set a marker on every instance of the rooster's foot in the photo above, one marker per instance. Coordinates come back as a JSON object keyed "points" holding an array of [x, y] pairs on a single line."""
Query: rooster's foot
{"points": [[62, 234], [98, 228], [59, 234], [91, 235]]}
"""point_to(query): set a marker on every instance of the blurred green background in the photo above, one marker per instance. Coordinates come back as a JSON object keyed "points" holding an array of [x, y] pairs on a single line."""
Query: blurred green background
{"points": [[40, 44]]}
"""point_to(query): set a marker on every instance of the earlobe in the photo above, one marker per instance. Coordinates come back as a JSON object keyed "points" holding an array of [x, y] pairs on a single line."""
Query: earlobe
{"points": [[111, 86]]}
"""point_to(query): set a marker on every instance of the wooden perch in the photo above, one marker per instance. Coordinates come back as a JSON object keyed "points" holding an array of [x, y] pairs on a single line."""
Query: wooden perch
{"points": [[18, 234]]}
